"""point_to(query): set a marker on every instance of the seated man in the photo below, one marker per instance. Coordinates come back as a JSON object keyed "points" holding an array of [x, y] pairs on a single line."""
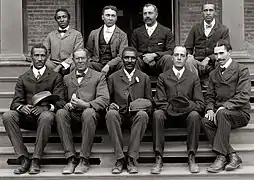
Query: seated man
{"points": [[154, 43], [106, 43], [201, 41], [87, 95], [126, 86], [178, 99], [227, 106], [61, 43], [33, 116]]}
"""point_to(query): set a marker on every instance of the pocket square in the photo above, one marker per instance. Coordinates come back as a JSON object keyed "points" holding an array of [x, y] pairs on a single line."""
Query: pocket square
{"points": [[160, 43]]}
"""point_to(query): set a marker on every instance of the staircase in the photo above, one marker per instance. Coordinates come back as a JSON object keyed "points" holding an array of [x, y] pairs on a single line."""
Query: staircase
{"points": [[102, 159]]}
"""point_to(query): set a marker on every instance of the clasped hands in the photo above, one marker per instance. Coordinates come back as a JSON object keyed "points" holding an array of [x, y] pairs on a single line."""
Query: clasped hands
{"points": [[211, 116], [76, 103], [149, 58], [34, 110]]}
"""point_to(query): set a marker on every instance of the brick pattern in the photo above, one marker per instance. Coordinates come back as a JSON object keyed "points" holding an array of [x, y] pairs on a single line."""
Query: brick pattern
{"points": [[249, 20], [40, 18]]}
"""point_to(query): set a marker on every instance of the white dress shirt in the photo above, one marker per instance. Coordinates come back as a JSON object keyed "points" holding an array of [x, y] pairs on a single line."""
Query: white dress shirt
{"points": [[226, 64], [208, 29], [38, 71], [108, 32], [64, 64], [80, 78], [150, 29], [129, 76], [176, 72]]}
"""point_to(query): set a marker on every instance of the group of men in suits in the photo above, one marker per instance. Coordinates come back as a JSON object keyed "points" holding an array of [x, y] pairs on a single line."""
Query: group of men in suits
{"points": [[107, 82]]}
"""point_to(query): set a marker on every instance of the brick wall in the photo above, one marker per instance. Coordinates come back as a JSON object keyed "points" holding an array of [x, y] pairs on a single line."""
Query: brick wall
{"points": [[190, 14], [40, 18], [249, 26]]}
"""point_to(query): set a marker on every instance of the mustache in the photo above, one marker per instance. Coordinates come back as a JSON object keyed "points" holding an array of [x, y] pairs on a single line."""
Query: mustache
{"points": [[148, 18]]}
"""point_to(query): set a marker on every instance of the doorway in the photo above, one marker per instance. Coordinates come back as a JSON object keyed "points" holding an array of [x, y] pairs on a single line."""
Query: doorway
{"points": [[129, 15]]}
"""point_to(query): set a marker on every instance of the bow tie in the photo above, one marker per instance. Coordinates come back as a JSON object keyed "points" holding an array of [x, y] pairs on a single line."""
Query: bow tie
{"points": [[62, 31], [222, 69], [208, 25], [80, 75]]}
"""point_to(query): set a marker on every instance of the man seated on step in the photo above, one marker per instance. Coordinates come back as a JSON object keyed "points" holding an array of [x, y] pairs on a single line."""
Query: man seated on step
{"points": [[130, 105], [227, 106], [179, 101], [201, 41], [154, 43], [27, 113], [61, 43], [87, 97], [106, 43]]}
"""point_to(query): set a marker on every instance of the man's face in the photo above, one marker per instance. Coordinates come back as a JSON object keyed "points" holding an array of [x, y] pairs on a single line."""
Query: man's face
{"points": [[221, 55], [62, 19], [179, 57], [80, 60], [39, 57], [129, 60], [208, 12], [109, 17], [149, 15]]}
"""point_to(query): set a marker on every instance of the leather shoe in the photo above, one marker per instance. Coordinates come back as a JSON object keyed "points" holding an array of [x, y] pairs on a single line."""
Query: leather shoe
{"points": [[35, 166], [70, 167], [83, 166], [193, 167], [218, 165], [234, 162], [118, 167], [24, 167], [158, 166], [131, 166]]}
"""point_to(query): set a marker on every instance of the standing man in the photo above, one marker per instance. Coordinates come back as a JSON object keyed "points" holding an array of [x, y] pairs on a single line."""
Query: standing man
{"points": [[178, 98], [227, 106], [26, 115], [106, 43], [154, 42], [61, 43], [126, 87], [201, 42], [87, 97]]}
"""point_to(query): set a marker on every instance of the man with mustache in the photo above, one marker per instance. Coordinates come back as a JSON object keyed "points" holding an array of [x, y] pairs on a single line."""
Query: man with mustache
{"points": [[201, 42], [227, 106], [106, 43], [61, 43], [126, 86], [154, 43]]}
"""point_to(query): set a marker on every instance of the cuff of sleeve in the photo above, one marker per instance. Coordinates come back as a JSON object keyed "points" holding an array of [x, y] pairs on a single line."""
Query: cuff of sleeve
{"points": [[18, 108], [52, 107], [65, 65]]}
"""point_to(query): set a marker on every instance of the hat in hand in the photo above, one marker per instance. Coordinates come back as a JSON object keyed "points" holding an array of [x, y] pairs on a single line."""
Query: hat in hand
{"points": [[44, 96], [180, 105]]}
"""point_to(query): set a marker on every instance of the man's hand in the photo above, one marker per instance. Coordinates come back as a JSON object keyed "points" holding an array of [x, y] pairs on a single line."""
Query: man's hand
{"points": [[149, 57], [105, 69], [78, 103], [68, 106], [58, 68], [26, 109], [113, 106], [205, 61], [210, 115], [39, 109]]}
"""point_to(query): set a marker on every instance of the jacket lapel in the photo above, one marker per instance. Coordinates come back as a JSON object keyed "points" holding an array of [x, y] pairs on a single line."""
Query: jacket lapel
{"points": [[135, 75], [45, 75], [30, 75], [96, 40], [124, 77], [228, 73], [87, 77], [172, 75], [144, 31], [74, 78], [213, 29], [183, 77], [201, 28], [156, 31]]}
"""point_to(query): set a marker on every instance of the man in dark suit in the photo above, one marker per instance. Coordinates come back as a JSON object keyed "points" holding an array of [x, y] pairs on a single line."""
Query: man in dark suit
{"points": [[154, 42], [87, 96], [227, 106], [24, 114], [106, 43], [61, 43], [201, 42], [178, 99], [125, 86]]}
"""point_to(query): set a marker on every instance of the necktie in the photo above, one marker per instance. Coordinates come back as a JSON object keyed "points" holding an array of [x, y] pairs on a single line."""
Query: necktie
{"points": [[208, 25], [222, 69], [38, 75], [80, 75], [178, 75], [62, 31]]}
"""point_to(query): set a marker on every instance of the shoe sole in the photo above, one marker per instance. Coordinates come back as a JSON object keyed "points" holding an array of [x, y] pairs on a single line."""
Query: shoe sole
{"points": [[229, 168], [212, 171], [158, 172]]}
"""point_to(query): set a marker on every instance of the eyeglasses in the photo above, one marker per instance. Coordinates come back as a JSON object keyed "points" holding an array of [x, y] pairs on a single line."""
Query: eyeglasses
{"points": [[128, 58]]}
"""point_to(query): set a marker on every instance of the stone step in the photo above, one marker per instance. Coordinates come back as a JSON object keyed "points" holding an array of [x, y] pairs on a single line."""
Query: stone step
{"points": [[7, 84], [13, 68], [170, 171]]}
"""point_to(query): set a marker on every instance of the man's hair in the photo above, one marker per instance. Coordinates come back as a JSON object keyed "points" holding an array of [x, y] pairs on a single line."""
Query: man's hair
{"points": [[114, 8], [130, 48], [224, 43], [149, 4], [64, 10], [202, 7], [41, 46], [82, 50], [181, 47]]}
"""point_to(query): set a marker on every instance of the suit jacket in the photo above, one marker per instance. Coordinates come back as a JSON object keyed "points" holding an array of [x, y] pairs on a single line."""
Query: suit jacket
{"points": [[120, 88], [61, 48], [92, 89], [117, 43], [201, 46], [27, 85], [161, 41], [168, 86], [231, 89]]}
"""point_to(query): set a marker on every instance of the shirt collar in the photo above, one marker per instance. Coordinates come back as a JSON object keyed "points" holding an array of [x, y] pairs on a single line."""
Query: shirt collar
{"points": [[42, 70], [129, 75], [67, 28], [212, 23], [109, 29], [152, 27], [177, 71], [84, 71], [227, 63]]}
